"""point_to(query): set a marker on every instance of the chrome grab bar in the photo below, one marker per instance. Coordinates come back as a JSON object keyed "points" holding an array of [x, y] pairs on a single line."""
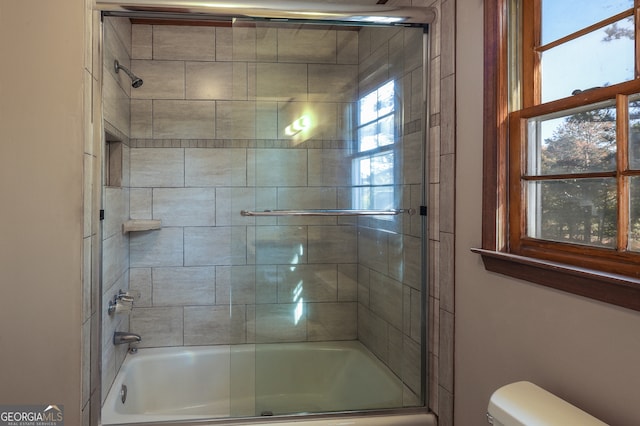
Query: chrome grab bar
{"points": [[328, 212]]}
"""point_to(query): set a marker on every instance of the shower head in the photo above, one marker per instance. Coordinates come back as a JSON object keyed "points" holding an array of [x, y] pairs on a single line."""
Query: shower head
{"points": [[135, 80]]}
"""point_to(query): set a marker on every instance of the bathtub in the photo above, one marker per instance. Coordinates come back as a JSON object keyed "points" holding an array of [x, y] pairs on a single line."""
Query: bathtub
{"points": [[240, 381]]}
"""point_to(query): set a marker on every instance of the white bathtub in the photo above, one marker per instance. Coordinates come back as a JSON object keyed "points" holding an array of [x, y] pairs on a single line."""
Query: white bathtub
{"points": [[213, 382]]}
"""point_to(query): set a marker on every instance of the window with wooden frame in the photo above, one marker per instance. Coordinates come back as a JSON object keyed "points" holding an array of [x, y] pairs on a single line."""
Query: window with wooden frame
{"points": [[562, 145]]}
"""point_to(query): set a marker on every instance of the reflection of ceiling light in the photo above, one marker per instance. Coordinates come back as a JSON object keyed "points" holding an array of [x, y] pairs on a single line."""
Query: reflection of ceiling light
{"points": [[297, 126], [377, 19]]}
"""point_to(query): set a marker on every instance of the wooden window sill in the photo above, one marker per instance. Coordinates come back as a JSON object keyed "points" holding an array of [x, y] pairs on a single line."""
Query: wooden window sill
{"points": [[616, 289]]}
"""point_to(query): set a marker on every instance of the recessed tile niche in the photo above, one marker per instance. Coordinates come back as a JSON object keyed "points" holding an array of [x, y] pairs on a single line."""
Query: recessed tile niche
{"points": [[113, 161]]}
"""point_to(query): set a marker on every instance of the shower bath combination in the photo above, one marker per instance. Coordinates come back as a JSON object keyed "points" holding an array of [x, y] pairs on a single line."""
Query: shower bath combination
{"points": [[287, 276], [135, 80]]}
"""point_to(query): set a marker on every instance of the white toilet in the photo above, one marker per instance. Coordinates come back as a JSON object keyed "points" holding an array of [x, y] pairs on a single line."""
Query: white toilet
{"points": [[525, 404]]}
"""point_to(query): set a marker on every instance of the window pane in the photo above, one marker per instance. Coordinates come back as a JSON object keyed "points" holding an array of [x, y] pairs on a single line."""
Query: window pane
{"points": [[600, 58], [580, 142], [386, 135], [382, 198], [563, 17], [382, 169], [634, 132], [634, 213], [368, 108], [368, 137], [386, 101], [579, 211]]}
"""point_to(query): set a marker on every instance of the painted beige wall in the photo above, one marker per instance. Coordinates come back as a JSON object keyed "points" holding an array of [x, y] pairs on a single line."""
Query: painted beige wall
{"points": [[41, 202], [584, 351]]}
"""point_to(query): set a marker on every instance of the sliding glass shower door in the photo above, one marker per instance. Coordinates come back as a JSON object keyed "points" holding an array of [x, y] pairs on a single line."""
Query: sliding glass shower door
{"points": [[326, 189]]}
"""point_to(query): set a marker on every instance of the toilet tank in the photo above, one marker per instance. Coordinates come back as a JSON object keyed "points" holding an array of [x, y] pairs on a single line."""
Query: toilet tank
{"points": [[525, 404]]}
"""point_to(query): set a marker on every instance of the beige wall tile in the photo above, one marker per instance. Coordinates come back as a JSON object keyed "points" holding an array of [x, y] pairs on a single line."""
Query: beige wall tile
{"points": [[209, 80], [396, 55], [306, 198], [184, 42], [185, 206], [413, 38], [244, 43], [364, 275], [184, 119], [235, 285], [329, 167], [333, 83], [266, 284], [140, 280], [140, 203], [116, 47], [415, 315], [157, 167], [373, 70], [311, 283], [332, 321], [158, 326], [116, 210], [281, 82], [313, 45], [163, 247], [224, 44], [229, 203], [122, 27], [235, 120], [141, 41], [411, 364], [447, 193], [347, 282], [183, 286], [347, 47], [214, 325], [280, 245], [115, 104], [141, 119], [115, 261], [333, 244], [416, 110], [215, 167], [373, 332], [281, 323], [162, 79], [280, 167], [386, 299], [266, 120], [267, 44], [373, 249], [214, 246], [412, 155]]}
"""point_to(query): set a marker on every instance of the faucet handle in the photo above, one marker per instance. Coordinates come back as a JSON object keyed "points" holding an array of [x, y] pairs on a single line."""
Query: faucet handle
{"points": [[129, 295]]}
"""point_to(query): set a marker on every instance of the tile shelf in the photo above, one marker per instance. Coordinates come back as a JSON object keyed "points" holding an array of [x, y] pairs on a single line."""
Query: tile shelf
{"points": [[137, 225]]}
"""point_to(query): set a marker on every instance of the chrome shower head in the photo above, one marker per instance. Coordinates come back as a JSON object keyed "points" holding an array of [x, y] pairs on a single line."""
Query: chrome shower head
{"points": [[135, 80]]}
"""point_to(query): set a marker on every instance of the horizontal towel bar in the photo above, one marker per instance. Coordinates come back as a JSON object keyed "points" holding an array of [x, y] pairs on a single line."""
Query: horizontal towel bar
{"points": [[327, 212]]}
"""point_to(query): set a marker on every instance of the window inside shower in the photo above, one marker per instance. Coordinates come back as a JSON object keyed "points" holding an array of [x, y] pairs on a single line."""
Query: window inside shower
{"points": [[314, 131]]}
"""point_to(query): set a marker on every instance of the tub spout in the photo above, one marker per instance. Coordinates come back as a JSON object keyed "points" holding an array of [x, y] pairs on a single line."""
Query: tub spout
{"points": [[121, 338]]}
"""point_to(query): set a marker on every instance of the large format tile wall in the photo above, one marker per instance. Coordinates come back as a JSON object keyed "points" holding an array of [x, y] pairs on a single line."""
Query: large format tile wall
{"points": [[440, 209], [389, 251], [115, 194], [208, 139]]}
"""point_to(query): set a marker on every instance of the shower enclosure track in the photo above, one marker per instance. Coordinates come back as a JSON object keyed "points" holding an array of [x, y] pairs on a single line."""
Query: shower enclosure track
{"points": [[327, 212]]}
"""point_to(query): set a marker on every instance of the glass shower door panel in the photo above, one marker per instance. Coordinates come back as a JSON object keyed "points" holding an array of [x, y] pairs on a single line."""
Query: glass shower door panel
{"points": [[331, 304]]}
